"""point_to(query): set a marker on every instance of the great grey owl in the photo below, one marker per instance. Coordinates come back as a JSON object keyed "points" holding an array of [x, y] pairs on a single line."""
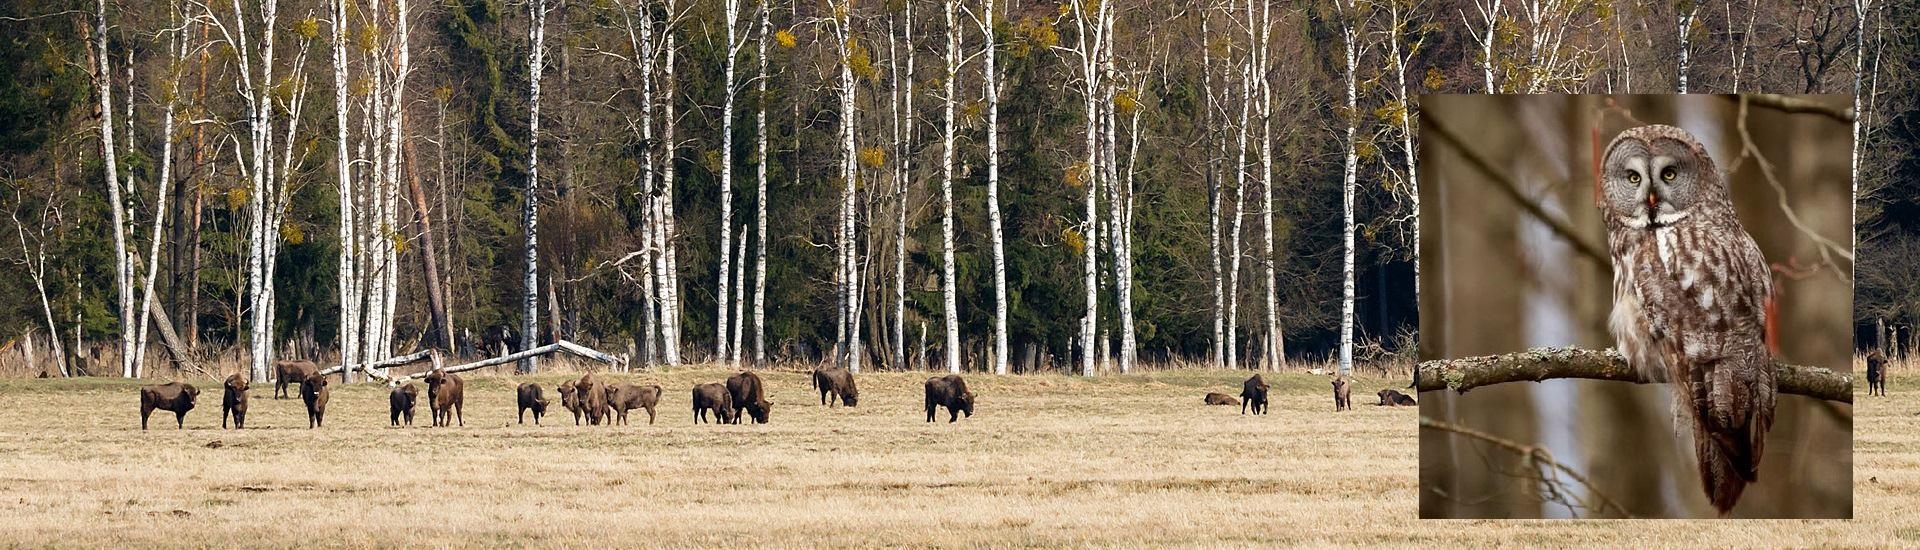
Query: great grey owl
{"points": [[1692, 299]]}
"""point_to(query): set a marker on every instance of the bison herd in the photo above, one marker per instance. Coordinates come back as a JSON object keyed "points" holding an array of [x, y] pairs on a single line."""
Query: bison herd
{"points": [[742, 396]]}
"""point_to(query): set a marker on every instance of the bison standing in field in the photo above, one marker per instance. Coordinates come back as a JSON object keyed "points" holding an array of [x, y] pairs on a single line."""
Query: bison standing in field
{"points": [[836, 382], [1877, 374], [592, 395], [1253, 393], [712, 396], [234, 403], [531, 399], [1217, 398], [749, 395], [446, 395], [290, 372], [172, 396], [314, 392], [1391, 398], [949, 391], [626, 397], [400, 403], [1342, 394]]}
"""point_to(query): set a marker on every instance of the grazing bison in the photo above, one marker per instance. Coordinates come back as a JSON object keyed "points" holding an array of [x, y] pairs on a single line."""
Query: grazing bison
{"points": [[1217, 398], [446, 395], [712, 396], [314, 392], [1342, 394], [949, 391], [172, 396], [837, 383], [592, 394], [1253, 393], [290, 372], [400, 403], [1877, 374], [1391, 398], [234, 403], [570, 398], [749, 394], [626, 397], [530, 398]]}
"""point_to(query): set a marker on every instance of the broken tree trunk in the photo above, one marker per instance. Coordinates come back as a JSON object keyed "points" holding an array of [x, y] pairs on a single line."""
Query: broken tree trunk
{"points": [[557, 346]]}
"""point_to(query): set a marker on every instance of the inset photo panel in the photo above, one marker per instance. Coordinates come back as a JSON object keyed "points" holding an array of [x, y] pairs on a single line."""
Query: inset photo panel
{"points": [[1636, 306]]}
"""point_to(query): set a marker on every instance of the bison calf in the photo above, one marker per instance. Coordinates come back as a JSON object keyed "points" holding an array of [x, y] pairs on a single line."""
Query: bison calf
{"points": [[1391, 398], [313, 390], [1342, 394], [836, 383], [749, 395], [446, 396], [712, 396], [234, 403], [1877, 374], [1253, 393], [531, 399], [290, 372], [626, 397], [400, 403], [172, 396], [1217, 398], [949, 391]]}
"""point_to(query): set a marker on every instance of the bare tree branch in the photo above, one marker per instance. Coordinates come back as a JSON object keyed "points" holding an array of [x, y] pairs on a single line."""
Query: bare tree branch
{"points": [[1795, 105], [1539, 458], [1511, 189], [1534, 365]]}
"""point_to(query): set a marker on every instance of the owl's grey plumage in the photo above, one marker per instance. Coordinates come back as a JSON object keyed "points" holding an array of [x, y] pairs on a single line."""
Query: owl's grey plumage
{"points": [[1691, 299]]}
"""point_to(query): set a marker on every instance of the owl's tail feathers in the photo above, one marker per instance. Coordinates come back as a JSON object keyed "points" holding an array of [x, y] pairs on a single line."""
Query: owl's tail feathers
{"points": [[1726, 467], [1730, 431]]}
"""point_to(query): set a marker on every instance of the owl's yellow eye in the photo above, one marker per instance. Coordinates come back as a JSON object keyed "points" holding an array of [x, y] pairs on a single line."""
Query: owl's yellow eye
{"points": [[1668, 174], [1633, 177]]}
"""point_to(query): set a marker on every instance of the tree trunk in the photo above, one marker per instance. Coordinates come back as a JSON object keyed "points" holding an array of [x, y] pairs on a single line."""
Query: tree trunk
{"points": [[1349, 35], [536, 64], [949, 305], [1216, 148], [760, 193], [103, 87], [995, 232], [723, 301], [442, 321]]}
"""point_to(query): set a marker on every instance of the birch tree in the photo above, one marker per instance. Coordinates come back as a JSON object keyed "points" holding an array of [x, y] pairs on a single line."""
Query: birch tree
{"points": [[1489, 12], [176, 54], [351, 325], [536, 64], [760, 191], [1216, 148], [1247, 89], [1401, 20], [1685, 10], [849, 174], [1350, 28], [995, 232], [122, 273], [949, 306], [1275, 349], [903, 165], [1089, 18], [721, 351]]}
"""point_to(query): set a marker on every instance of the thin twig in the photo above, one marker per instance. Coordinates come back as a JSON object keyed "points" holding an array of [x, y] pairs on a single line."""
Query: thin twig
{"points": [[1508, 187], [1795, 105], [1534, 365], [1533, 455]]}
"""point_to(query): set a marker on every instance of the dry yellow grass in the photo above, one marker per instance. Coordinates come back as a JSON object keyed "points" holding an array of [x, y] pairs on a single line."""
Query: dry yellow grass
{"points": [[1046, 461]]}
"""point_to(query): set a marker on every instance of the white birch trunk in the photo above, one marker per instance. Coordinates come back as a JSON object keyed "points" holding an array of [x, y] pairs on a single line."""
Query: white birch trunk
{"points": [[850, 177], [1406, 136], [1273, 357], [905, 167], [536, 63], [176, 50], [1687, 11], [1349, 32], [1091, 41], [949, 306], [739, 297], [1861, 8], [1240, 194], [721, 351], [1215, 149], [995, 232], [670, 290], [350, 240], [103, 86], [760, 194], [1489, 14]]}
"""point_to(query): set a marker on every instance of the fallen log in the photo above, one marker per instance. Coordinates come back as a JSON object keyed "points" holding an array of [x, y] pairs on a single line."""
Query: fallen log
{"points": [[389, 362], [1539, 364], [560, 346]]}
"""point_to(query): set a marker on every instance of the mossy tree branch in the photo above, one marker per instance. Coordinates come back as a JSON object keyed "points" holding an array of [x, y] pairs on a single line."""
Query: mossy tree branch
{"points": [[1534, 365]]}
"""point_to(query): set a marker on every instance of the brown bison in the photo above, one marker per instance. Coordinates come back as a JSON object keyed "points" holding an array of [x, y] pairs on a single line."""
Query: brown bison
{"points": [[290, 372], [626, 397], [1391, 398], [1217, 398], [1253, 393], [570, 398], [1342, 394], [712, 396], [234, 403], [400, 403], [1877, 374], [749, 395], [531, 398], [592, 393], [172, 396], [836, 382], [314, 392], [949, 391], [446, 395]]}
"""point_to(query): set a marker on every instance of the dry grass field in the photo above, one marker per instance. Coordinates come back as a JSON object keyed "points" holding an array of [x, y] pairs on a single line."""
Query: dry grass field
{"points": [[1046, 460]]}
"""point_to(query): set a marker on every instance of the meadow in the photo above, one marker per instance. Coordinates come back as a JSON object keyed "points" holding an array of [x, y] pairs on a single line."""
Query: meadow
{"points": [[1046, 460]]}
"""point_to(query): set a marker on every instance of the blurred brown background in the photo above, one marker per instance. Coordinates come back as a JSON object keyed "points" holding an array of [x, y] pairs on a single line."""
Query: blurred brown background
{"points": [[1496, 278]]}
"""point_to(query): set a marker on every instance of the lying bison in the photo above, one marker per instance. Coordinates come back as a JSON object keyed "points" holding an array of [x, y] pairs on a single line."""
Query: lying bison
{"points": [[749, 395], [837, 383], [949, 391], [234, 403], [1342, 394], [172, 396], [314, 392], [290, 372], [626, 397], [1877, 374], [592, 394], [1391, 398], [712, 396], [1253, 393], [1217, 398], [446, 396], [531, 399], [400, 403]]}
